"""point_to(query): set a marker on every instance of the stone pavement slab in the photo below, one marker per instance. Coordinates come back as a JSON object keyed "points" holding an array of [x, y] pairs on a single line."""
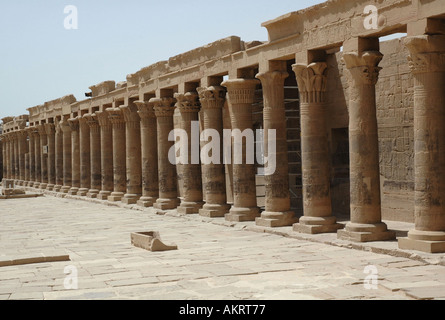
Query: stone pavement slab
{"points": [[215, 260]]}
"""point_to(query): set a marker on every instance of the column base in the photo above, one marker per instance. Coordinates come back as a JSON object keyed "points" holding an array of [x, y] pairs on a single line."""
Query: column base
{"points": [[366, 232], [92, 193], [243, 214], [214, 210], [104, 195], [130, 198], [43, 186], [317, 225], [166, 204], [146, 202], [424, 241], [57, 188], [73, 191], [190, 207], [20, 182], [65, 189], [30, 184], [116, 196], [50, 187], [82, 192], [36, 185], [276, 219]]}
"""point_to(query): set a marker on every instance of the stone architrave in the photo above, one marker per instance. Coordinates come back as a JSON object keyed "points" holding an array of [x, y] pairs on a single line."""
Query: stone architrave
{"points": [[168, 190], [149, 154], [119, 154], [133, 154], [51, 156], [188, 106], [214, 181], [95, 153], [58, 151], [67, 156], [278, 212], [366, 218], [241, 93], [317, 203], [106, 155], [427, 64], [75, 156]]}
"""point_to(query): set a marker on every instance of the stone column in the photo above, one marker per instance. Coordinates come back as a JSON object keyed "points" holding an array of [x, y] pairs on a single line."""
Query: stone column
{"points": [[106, 155], [51, 164], [119, 154], [15, 152], [43, 156], [67, 156], [366, 218], [149, 153], [22, 135], [241, 93], [7, 158], [95, 164], [4, 169], [168, 190], [58, 151], [38, 158], [85, 160], [278, 213], [214, 180], [427, 64], [31, 157], [133, 152], [188, 105], [317, 203], [75, 156]]}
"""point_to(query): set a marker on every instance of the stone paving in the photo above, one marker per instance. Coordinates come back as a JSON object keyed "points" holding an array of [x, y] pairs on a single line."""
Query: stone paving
{"points": [[216, 260]]}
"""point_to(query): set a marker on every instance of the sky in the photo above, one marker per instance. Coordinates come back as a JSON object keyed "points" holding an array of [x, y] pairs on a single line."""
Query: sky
{"points": [[41, 60]]}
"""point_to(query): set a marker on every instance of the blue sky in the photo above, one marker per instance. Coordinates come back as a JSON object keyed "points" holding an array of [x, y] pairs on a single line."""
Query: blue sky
{"points": [[42, 61]]}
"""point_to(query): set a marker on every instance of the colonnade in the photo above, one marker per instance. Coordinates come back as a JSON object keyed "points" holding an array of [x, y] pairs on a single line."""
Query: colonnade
{"points": [[122, 153]]}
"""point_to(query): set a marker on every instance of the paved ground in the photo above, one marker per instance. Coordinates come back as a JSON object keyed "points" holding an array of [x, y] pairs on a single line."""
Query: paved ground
{"points": [[215, 260]]}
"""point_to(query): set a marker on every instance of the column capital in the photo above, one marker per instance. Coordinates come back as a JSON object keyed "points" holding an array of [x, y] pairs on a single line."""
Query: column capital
{"points": [[273, 77], [164, 107], [74, 124], [41, 129], [241, 91], [427, 53], [91, 120], [32, 131], [103, 118], [312, 81], [212, 97], [130, 113], [188, 102], [115, 115], [65, 126], [50, 128], [145, 109], [364, 67]]}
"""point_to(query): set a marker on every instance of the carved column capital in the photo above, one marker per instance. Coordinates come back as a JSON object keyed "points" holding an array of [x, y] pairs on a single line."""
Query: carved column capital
{"points": [[115, 115], [103, 118], [41, 129], [91, 120], [145, 109], [50, 128], [212, 97], [188, 102], [364, 67], [130, 113], [65, 126], [241, 91], [164, 107], [74, 124], [427, 53], [312, 81]]}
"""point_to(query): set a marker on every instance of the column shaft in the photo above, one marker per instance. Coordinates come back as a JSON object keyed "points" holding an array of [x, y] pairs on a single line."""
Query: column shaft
{"points": [[85, 159], [67, 156], [95, 164], [58, 151], [50, 133], [119, 154], [38, 159], [106, 154], [75, 156], [241, 94]]}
